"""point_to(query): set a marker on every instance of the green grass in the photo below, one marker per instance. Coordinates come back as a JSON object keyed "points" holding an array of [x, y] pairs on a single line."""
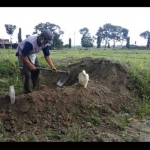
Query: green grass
{"points": [[120, 121]]}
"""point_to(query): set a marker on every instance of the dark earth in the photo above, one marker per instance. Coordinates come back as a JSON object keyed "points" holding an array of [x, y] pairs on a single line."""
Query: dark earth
{"points": [[104, 112]]}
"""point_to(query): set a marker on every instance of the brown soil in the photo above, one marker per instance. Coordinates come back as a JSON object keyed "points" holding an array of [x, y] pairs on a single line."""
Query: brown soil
{"points": [[70, 112]]}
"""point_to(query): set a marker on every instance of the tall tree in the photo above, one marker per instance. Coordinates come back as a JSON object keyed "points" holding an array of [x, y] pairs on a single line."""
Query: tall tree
{"points": [[27, 35], [118, 34], [10, 30], [19, 36], [123, 35], [43, 26], [146, 35], [107, 29], [69, 42], [115, 34], [84, 31], [57, 32], [111, 32], [128, 42], [86, 40], [99, 37]]}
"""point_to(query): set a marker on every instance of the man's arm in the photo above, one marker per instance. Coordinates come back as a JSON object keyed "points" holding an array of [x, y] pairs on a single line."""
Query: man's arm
{"points": [[27, 48], [25, 58], [48, 58]]}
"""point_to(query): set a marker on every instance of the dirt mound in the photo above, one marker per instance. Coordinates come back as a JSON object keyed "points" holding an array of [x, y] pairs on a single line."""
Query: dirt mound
{"points": [[69, 107]]}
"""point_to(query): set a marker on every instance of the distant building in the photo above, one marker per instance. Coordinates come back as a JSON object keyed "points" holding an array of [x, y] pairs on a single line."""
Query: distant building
{"points": [[4, 43]]}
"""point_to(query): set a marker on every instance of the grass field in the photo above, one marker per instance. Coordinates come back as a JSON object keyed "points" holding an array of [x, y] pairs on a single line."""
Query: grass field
{"points": [[132, 56]]}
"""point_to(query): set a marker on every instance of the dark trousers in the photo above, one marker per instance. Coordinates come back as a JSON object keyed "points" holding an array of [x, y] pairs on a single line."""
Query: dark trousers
{"points": [[27, 74]]}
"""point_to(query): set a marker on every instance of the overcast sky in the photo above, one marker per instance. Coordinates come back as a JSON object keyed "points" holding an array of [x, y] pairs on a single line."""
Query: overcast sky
{"points": [[72, 19]]}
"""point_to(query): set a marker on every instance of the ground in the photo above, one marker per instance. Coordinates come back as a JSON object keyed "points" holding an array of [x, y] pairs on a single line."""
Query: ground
{"points": [[99, 113]]}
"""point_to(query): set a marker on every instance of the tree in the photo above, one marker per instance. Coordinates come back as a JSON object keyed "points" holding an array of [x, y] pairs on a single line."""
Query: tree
{"points": [[69, 42], [10, 30], [57, 42], [57, 32], [43, 26], [128, 42], [19, 36], [27, 35], [107, 29], [86, 40], [60, 42], [118, 34], [108, 45], [100, 36], [84, 31], [146, 35], [66, 46], [123, 35], [115, 34]]}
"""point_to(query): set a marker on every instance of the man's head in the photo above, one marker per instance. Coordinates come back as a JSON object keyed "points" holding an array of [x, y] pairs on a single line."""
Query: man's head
{"points": [[46, 37]]}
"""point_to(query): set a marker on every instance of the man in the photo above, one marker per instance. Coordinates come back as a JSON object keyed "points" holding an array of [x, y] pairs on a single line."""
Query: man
{"points": [[26, 52]]}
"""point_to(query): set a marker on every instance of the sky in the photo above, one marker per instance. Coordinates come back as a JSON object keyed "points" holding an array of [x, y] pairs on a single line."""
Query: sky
{"points": [[72, 19]]}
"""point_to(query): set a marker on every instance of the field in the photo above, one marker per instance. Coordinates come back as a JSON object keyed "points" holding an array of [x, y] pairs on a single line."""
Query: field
{"points": [[114, 107]]}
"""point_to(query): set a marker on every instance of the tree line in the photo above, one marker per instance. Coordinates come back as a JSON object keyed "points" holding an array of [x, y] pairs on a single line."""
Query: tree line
{"points": [[104, 34]]}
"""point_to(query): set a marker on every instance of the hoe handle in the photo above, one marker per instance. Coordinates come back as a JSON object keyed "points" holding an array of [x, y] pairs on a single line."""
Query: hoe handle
{"points": [[61, 71]]}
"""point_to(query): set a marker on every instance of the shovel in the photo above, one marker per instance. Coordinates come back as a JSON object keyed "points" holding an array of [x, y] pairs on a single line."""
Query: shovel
{"points": [[63, 78]]}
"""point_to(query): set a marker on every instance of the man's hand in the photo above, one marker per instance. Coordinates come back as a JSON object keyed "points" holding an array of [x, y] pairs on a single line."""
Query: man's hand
{"points": [[54, 69], [32, 67], [48, 59]]}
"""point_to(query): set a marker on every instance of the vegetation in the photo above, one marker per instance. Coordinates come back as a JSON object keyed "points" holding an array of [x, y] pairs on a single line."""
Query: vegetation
{"points": [[146, 35], [57, 32], [69, 42], [27, 35], [111, 32], [19, 35], [86, 40], [104, 34], [10, 30]]}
